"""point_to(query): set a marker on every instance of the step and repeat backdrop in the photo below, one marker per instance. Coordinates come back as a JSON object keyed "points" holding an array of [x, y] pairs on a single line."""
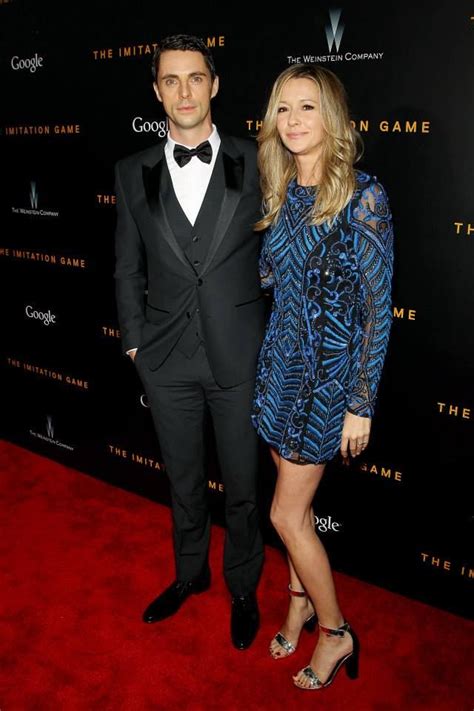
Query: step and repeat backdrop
{"points": [[77, 95]]}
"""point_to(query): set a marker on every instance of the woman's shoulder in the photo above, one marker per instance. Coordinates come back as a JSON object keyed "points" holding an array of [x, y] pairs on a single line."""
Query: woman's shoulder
{"points": [[364, 180], [367, 184]]}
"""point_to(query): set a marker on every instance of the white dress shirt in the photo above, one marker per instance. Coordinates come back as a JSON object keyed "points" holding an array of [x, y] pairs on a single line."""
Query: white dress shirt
{"points": [[192, 180]]}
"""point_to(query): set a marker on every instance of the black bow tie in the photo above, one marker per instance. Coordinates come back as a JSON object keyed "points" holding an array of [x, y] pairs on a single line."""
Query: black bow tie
{"points": [[183, 155]]}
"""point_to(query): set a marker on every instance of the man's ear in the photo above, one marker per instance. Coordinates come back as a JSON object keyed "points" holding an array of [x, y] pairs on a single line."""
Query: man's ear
{"points": [[215, 87], [157, 92]]}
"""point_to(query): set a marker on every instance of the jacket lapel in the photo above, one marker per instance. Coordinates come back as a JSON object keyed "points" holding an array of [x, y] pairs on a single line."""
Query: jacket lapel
{"points": [[151, 179], [233, 176]]}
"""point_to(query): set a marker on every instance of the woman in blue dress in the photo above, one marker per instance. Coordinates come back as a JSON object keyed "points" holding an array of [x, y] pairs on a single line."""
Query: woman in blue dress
{"points": [[327, 253]]}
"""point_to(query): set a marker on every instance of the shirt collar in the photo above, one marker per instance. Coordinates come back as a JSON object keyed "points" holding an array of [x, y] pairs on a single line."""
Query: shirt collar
{"points": [[214, 139]]}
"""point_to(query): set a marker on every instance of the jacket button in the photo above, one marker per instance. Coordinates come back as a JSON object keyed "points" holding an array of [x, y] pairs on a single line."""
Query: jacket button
{"points": [[199, 282], [195, 238], [188, 314]]}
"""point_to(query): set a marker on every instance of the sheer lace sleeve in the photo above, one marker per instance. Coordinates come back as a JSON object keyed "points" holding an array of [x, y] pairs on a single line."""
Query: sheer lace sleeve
{"points": [[265, 266], [373, 241]]}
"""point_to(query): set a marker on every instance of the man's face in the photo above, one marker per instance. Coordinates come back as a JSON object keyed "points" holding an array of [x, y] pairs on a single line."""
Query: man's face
{"points": [[185, 88]]}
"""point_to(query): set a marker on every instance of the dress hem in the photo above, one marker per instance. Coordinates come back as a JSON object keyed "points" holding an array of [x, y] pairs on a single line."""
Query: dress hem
{"points": [[276, 446]]}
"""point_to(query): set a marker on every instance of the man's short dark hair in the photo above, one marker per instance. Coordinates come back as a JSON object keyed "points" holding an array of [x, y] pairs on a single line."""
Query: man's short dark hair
{"points": [[185, 43]]}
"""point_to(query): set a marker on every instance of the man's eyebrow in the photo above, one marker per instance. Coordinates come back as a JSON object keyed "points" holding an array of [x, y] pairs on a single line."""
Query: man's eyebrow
{"points": [[191, 74]]}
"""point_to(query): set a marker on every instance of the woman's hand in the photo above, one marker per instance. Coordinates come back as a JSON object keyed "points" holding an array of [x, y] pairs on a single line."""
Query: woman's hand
{"points": [[355, 435]]}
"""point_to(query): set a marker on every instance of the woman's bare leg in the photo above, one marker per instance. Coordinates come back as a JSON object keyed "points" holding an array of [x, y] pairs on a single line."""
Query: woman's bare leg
{"points": [[291, 514], [300, 608]]}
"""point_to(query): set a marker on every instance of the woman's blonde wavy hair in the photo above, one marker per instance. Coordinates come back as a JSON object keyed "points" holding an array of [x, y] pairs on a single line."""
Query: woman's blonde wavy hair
{"points": [[341, 149]]}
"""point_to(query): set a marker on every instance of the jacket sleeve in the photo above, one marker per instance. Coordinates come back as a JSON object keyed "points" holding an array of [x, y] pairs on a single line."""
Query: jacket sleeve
{"points": [[373, 241], [130, 271]]}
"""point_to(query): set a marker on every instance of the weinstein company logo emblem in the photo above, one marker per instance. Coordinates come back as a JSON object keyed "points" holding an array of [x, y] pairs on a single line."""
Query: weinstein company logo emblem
{"points": [[48, 435], [334, 30], [49, 427], [34, 210], [33, 196]]}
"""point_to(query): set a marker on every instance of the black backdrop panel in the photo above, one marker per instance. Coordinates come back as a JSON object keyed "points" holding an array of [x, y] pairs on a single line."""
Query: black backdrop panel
{"points": [[77, 96]]}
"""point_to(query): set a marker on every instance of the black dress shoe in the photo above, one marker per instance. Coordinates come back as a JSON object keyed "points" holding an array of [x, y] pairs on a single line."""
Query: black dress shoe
{"points": [[173, 597], [244, 621]]}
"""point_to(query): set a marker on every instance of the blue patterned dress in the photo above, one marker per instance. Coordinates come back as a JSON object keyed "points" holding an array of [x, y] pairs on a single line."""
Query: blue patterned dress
{"points": [[328, 331]]}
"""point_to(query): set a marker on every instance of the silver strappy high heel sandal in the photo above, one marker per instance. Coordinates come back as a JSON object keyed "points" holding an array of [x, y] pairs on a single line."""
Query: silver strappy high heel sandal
{"points": [[309, 625], [350, 660]]}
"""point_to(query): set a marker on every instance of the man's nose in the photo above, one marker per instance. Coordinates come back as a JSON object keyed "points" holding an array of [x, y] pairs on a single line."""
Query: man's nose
{"points": [[184, 89]]}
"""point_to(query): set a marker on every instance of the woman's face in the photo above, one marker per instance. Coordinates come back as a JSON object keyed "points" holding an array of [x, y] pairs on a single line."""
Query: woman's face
{"points": [[299, 120]]}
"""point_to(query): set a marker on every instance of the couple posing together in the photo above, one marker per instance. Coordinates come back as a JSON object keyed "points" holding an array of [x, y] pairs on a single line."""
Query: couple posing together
{"points": [[189, 272]]}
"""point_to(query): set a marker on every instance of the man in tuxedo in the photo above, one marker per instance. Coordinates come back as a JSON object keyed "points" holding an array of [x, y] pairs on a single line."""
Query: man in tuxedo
{"points": [[192, 317]]}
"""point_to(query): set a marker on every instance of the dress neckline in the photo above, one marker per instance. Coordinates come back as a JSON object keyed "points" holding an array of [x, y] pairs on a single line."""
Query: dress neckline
{"points": [[302, 192]]}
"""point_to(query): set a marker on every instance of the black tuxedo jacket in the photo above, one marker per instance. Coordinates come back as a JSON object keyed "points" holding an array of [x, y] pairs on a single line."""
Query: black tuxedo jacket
{"points": [[157, 287]]}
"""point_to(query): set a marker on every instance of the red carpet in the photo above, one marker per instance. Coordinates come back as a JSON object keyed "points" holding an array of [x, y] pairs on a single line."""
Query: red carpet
{"points": [[81, 559]]}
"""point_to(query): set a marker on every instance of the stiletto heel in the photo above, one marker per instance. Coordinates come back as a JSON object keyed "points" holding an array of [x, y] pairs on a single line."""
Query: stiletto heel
{"points": [[311, 622], [350, 660], [309, 625], [352, 663]]}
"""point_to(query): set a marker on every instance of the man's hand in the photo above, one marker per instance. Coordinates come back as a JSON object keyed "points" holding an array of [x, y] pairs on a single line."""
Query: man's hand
{"points": [[355, 435]]}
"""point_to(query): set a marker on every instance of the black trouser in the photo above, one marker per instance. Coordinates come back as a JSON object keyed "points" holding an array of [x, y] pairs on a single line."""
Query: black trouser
{"points": [[178, 393]]}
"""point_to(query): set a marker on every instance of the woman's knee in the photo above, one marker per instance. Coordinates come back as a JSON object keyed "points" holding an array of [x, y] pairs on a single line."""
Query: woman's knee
{"points": [[288, 524], [276, 517]]}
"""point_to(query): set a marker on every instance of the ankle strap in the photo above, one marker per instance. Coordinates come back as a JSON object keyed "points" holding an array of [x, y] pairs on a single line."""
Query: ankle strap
{"points": [[296, 593], [331, 632]]}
